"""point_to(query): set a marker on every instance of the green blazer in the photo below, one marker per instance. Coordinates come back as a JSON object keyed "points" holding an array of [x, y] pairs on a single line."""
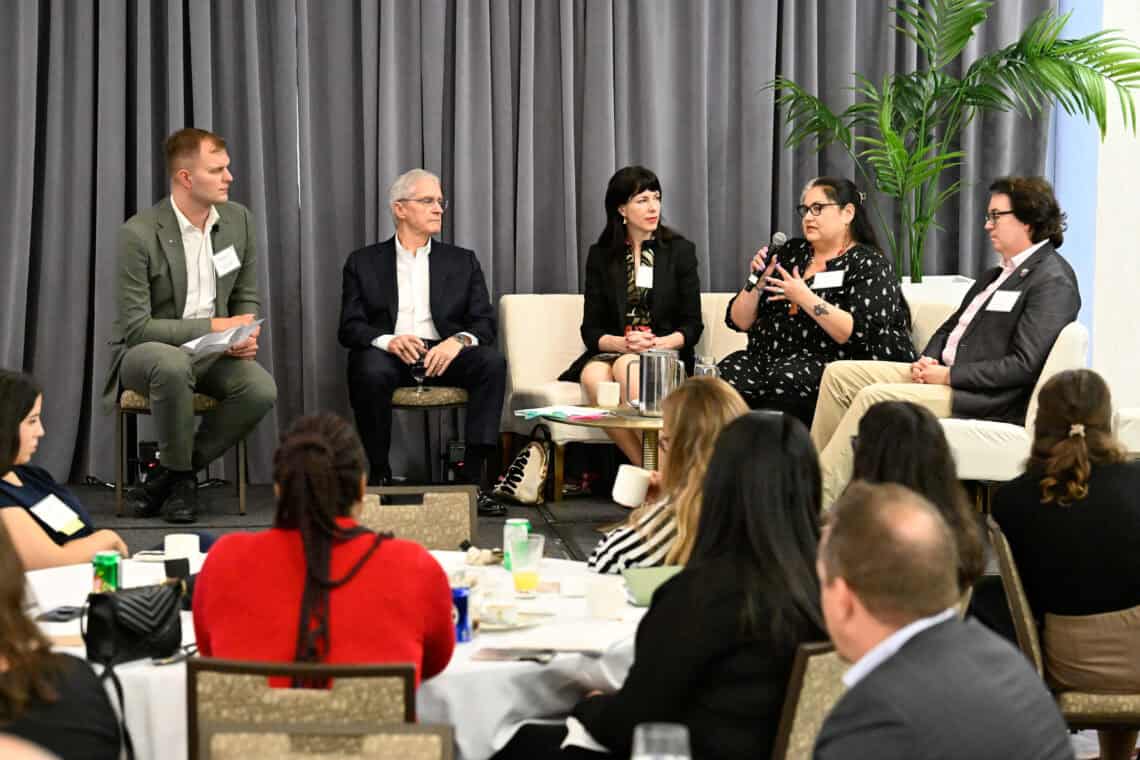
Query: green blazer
{"points": [[150, 287]]}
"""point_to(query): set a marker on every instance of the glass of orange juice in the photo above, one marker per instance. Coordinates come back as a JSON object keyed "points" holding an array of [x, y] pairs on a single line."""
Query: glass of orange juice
{"points": [[526, 556]]}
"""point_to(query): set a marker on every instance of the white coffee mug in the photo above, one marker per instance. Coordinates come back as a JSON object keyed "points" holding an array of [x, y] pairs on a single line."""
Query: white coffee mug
{"points": [[631, 485], [179, 545], [609, 395], [605, 597]]}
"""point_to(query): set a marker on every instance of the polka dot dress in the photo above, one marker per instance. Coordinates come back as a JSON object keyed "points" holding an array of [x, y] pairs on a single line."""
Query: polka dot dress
{"points": [[787, 351]]}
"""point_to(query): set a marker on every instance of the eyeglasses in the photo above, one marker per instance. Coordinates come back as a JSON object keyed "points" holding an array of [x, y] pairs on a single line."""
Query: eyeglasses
{"points": [[427, 202], [992, 217], [816, 209]]}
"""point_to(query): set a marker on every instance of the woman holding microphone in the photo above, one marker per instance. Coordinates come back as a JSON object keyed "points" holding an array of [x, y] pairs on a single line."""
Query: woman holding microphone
{"points": [[642, 292], [829, 295]]}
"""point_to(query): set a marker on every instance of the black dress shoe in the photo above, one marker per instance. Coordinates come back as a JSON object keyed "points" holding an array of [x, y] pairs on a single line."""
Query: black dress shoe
{"points": [[181, 506], [488, 507], [146, 499]]}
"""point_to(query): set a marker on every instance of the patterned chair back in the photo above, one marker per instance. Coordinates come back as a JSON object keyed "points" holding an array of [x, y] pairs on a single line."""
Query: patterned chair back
{"points": [[813, 689], [228, 696], [444, 520], [407, 742]]}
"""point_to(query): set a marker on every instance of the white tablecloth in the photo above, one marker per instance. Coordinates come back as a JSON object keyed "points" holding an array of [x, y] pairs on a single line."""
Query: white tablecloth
{"points": [[484, 701]]}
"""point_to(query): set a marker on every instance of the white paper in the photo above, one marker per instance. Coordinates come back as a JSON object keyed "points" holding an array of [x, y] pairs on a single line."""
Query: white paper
{"points": [[831, 279], [563, 411], [593, 637], [1003, 300], [226, 261], [59, 517], [644, 276], [219, 342]]}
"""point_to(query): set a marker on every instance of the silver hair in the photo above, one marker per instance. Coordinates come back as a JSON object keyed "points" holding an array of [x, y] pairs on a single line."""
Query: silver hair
{"points": [[403, 185]]}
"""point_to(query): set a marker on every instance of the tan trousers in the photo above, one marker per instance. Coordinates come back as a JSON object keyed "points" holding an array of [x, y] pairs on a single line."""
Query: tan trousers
{"points": [[848, 389]]}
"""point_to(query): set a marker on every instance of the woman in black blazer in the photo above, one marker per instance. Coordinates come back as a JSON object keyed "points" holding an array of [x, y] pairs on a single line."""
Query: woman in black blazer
{"points": [[642, 292]]}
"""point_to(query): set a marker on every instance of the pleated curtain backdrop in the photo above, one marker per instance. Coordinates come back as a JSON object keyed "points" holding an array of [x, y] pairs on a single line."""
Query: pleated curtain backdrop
{"points": [[525, 108]]}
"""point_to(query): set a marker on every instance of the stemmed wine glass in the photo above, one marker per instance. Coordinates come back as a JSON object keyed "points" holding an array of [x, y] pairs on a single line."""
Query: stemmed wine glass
{"points": [[419, 374]]}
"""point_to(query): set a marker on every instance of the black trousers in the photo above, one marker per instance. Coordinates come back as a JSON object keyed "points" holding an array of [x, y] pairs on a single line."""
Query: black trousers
{"points": [[373, 375]]}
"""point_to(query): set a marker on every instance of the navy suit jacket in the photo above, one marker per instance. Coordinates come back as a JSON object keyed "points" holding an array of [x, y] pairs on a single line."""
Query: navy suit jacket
{"points": [[1002, 353], [370, 300]]}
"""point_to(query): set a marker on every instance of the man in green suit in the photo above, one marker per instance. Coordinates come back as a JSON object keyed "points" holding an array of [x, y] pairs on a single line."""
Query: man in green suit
{"points": [[186, 268]]}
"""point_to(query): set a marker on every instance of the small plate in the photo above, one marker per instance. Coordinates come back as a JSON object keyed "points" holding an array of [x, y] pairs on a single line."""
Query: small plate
{"points": [[149, 556], [500, 627]]}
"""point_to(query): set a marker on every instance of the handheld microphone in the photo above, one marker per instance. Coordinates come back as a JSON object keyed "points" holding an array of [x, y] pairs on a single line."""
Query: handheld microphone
{"points": [[778, 241]]}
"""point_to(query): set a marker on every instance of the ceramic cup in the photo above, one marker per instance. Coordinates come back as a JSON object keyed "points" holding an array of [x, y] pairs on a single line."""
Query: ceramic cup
{"points": [[609, 395], [631, 485], [178, 545]]}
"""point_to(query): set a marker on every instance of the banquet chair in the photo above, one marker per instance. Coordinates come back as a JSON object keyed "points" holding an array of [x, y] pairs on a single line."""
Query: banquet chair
{"points": [[990, 453], [444, 520], [132, 403], [813, 689], [433, 397], [230, 696], [1081, 710], [406, 741]]}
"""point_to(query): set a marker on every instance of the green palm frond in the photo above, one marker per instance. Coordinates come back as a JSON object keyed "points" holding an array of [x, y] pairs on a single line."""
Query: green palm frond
{"points": [[809, 117], [940, 28]]}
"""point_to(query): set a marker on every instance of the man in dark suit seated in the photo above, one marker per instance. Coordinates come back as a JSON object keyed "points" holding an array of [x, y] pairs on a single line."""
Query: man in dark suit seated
{"points": [[188, 267], [923, 683], [409, 299], [984, 360]]}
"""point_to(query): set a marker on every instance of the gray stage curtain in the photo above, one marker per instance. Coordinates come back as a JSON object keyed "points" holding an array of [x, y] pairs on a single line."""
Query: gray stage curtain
{"points": [[524, 108]]}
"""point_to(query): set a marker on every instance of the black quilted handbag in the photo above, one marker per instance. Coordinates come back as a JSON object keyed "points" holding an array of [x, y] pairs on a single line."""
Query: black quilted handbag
{"points": [[133, 623]]}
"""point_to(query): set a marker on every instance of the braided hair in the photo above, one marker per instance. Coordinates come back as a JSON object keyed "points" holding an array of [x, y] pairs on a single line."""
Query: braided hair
{"points": [[318, 470]]}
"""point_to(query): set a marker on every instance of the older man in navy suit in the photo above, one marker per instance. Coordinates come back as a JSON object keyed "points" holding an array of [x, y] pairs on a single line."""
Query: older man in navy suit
{"points": [[411, 298]]}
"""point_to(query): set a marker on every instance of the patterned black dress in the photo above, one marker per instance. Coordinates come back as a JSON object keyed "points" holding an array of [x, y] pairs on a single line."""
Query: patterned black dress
{"points": [[788, 350]]}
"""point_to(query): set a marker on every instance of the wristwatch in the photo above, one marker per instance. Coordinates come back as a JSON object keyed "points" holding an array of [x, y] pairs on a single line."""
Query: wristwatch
{"points": [[464, 340]]}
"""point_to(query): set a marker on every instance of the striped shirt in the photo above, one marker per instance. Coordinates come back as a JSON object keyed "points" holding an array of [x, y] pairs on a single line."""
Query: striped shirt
{"points": [[642, 545]]}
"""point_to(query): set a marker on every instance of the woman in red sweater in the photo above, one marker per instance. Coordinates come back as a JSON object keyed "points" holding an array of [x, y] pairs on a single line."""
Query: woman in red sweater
{"points": [[318, 587]]}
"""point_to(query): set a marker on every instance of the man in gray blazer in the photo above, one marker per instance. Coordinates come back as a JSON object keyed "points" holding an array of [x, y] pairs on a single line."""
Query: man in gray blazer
{"points": [[923, 683], [983, 362], [186, 268]]}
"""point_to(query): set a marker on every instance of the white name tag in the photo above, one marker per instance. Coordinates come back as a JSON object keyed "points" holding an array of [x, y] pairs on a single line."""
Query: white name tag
{"points": [[1003, 300], [226, 261], [58, 516], [644, 276], [832, 279]]}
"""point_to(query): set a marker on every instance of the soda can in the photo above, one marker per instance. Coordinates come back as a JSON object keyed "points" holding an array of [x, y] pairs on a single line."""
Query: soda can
{"points": [[460, 599], [513, 529], [108, 576]]}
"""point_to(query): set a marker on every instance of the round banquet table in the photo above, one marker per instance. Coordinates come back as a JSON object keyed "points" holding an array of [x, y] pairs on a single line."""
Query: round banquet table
{"points": [[649, 427], [485, 701]]}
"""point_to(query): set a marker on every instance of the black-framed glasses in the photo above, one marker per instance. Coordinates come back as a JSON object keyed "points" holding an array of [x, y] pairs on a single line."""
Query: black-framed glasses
{"points": [[816, 209], [427, 202], [991, 217]]}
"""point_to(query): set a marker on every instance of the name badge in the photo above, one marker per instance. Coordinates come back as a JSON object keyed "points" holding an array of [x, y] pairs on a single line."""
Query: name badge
{"points": [[58, 516], [1003, 300], [226, 261], [832, 279], [644, 276]]}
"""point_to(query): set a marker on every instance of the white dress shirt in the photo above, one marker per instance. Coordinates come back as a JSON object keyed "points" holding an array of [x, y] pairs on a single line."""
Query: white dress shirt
{"points": [[198, 249], [950, 351], [413, 292], [887, 648]]}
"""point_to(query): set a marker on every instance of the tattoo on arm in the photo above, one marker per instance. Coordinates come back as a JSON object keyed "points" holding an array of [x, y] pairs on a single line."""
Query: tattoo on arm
{"points": [[820, 309]]}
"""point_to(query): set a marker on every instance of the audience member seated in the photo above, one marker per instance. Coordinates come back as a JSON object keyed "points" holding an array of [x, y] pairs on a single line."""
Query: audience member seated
{"points": [[923, 683], [664, 528], [642, 292], [28, 493], [363, 597], [900, 442], [187, 267], [715, 649], [829, 295], [413, 303], [52, 700], [983, 362], [1073, 523]]}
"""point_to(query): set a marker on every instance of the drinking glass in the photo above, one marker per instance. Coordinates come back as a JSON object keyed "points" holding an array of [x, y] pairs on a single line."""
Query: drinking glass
{"points": [[706, 365], [419, 374], [661, 741], [526, 556]]}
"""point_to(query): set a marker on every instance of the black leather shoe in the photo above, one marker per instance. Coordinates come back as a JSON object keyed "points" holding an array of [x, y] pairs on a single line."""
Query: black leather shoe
{"points": [[488, 507], [182, 504], [146, 499]]}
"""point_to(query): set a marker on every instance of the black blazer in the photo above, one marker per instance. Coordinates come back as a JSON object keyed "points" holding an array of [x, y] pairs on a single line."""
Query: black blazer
{"points": [[675, 301], [369, 302], [1001, 354], [956, 690]]}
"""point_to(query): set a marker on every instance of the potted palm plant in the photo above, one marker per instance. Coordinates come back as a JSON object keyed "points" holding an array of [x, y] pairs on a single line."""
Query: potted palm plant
{"points": [[903, 133]]}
